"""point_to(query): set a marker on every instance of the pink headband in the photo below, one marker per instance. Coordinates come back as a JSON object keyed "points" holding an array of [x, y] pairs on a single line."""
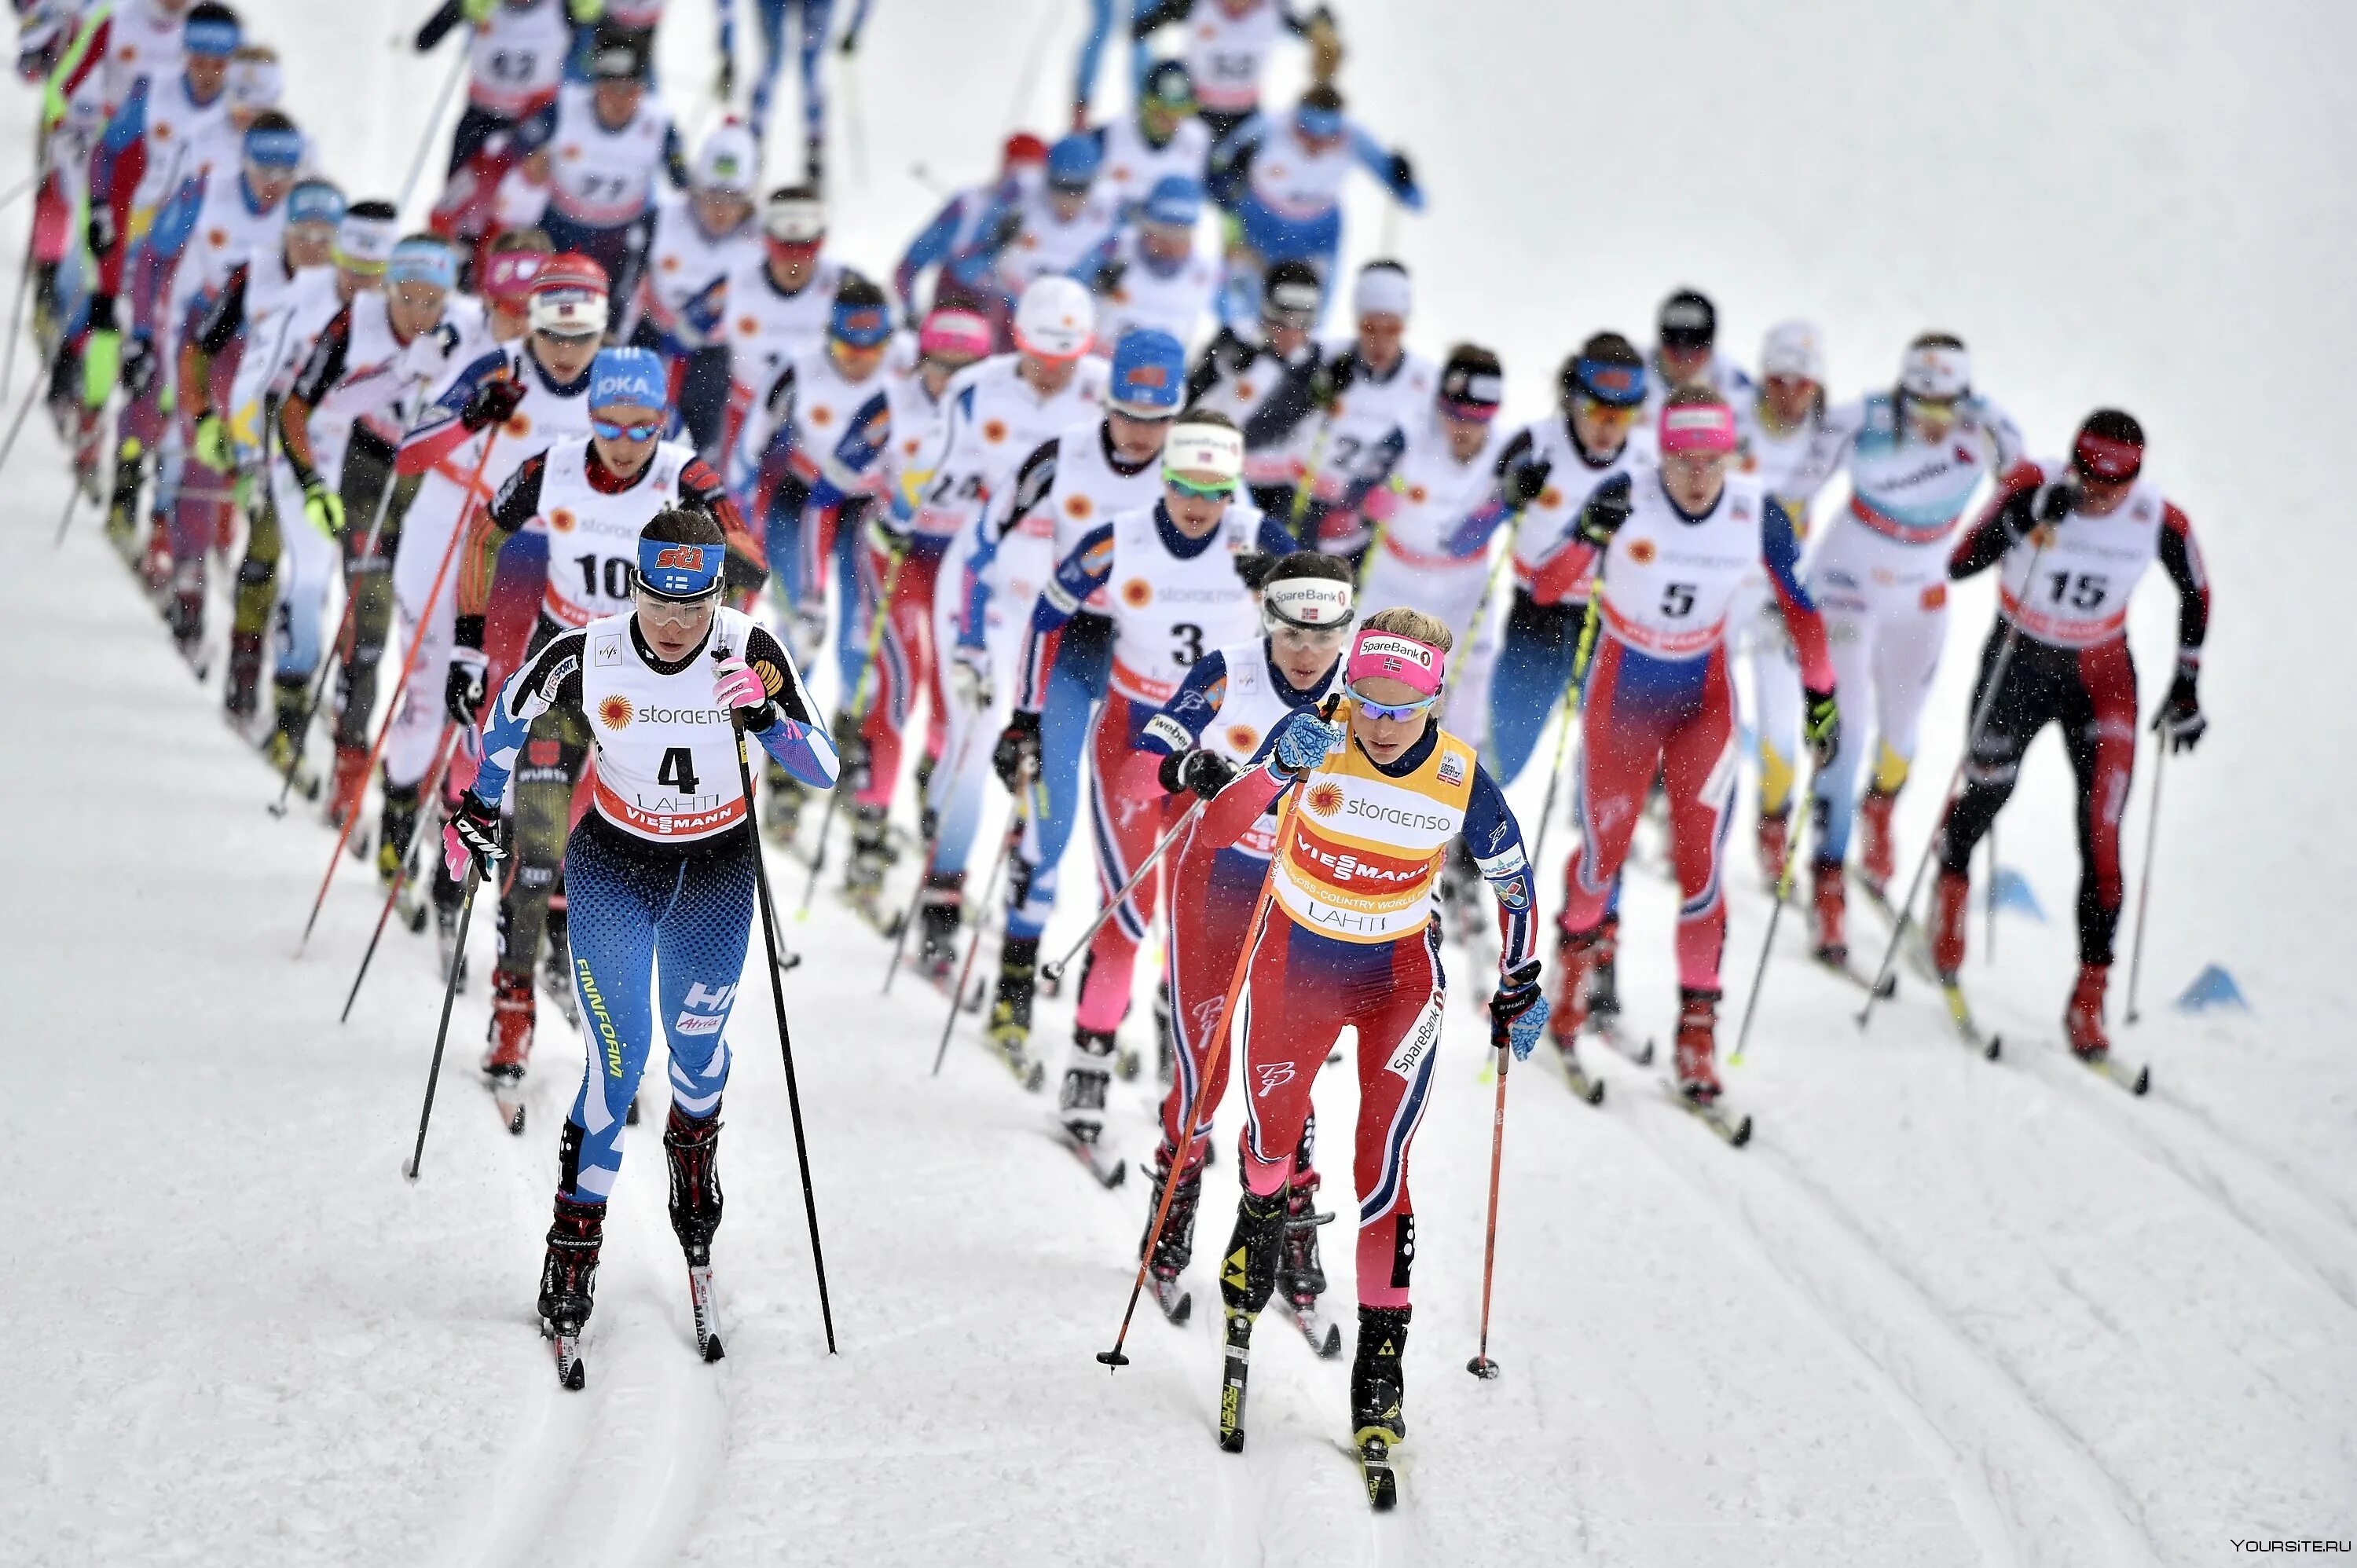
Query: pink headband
{"points": [[955, 332], [1698, 427], [1388, 656], [508, 276]]}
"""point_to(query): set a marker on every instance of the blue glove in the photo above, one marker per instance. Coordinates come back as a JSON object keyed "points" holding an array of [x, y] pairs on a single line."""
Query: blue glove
{"points": [[1519, 1009], [1303, 740]]}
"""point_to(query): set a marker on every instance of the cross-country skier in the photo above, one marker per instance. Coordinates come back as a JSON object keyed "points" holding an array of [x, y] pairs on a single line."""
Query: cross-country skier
{"points": [[1174, 578], [1686, 354], [1150, 275], [661, 872], [1160, 140], [1915, 454], [1210, 731], [1059, 225], [1228, 46], [700, 239], [1347, 941], [1266, 378], [591, 495], [1675, 542], [1365, 389], [2071, 540], [811, 20], [516, 53], [957, 244], [780, 300]]}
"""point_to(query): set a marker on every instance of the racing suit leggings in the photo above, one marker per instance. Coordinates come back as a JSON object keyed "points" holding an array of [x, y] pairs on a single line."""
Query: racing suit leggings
{"points": [[368, 579], [1076, 688], [2092, 693], [545, 776], [1302, 991], [1125, 830]]}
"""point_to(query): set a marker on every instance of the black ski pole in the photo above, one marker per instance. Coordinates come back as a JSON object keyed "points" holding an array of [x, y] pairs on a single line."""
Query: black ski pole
{"points": [[1053, 970], [982, 913], [2144, 889], [917, 899], [442, 1032], [862, 698], [1784, 892], [17, 426], [65, 519], [785, 1040], [429, 794]]}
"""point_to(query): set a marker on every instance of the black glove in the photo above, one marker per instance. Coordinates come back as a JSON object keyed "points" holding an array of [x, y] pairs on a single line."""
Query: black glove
{"points": [[1253, 566], [138, 367], [2054, 502], [1109, 275], [101, 232], [1235, 356], [1517, 993], [1403, 173], [102, 313], [2180, 721], [463, 687], [476, 826], [1822, 727], [1018, 752], [1204, 772], [1002, 233], [1330, 381], [1605, 510], [1525, 483], [851, 41], [493, 403]]}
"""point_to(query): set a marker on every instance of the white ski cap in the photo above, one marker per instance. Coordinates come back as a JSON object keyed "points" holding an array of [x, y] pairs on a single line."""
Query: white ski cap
{"points": [[1055, 319], [728, 161], [1383, 289], [1935, 372], [1795, 349], [794, 217], [1307, 602], [1215, 449]]}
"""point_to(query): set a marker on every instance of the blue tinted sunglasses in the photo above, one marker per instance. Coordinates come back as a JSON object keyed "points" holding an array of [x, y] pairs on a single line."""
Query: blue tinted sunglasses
{"points": [[625, 432], [1391, 711]]}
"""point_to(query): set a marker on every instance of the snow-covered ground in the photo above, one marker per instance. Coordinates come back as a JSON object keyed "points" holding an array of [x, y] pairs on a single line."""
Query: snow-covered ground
{"points": [[1941, 1312]]}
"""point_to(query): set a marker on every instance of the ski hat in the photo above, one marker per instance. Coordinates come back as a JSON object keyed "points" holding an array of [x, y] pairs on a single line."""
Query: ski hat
{"points": [[679, 572], [211, 31], [254, 80], [1308, 604], [1175, 202], [1149, 375], [1023, 150], [1472, 384], [1055, 319], [1688, 320], [1320, 113], [1072, 164], [1794, 350], [615, 61], [1607, 369], [1697, 427], [365, 236], [2109, 449], [627, 376], [508, 276], [423, 258], [794, 215], [1291, 289], [861, 317], [953, 332], [1389, 656], [728, 161], [1383, 289], [1169, 85], [272, 143], [315, 201], [1203, 448], [1935, 367], [569, 298]]}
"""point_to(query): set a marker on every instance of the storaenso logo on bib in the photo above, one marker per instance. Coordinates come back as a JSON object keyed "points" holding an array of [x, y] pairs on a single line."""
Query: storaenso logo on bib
{"points": [[1416, 1047], [1396, 817], [683, 715]]}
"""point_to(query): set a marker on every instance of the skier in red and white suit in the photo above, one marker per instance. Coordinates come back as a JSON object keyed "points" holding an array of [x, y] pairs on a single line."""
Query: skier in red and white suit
{"points": [[2071, 541], [1676, 542]]}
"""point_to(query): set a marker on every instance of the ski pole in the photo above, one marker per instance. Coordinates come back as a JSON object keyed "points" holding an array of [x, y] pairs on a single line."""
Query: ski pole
{"points": [[1981, 711], [393, 709], [432, 124], [428, 791], [17, 426], [1480, 1366], [19, 188], [997, 869], [1303, 485], [1573, 694], [73, 499], [442, 1032], [857, 709], [1053, 971], [1029, 77], [1256, 927], [785, 1038], [1993, 864], [932, 850], [2144, 889], [16, 314], [1767, 944]]}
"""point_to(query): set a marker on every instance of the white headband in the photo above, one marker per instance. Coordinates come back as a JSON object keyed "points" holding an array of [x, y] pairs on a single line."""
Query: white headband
{"points": [[1204, 449], [1308, 601], [1384, 291]]}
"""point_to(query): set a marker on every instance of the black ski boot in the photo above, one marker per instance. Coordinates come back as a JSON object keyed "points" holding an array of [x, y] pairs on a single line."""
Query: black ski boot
{"points": [[568, 1275], [397, 824], [1378, 1390], [1247, 1279], [122, 503], [1299, 1276], [1010, 1011], [691, 1145], [928, 820], [939, 914], [1604, 975], [242, 686], [1176, 1246], [1088, 1074], [849, 731]]}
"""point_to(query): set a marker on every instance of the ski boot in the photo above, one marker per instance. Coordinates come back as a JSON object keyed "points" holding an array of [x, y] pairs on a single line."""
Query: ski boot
{"points": [[509, 1052], [1247, 1279], [1176, 1246], [1010, 1010], [397, 824], [1300, 1277], [1698, 1047], [122, 503], [1087, 1076], [1378, 1397], [183, 616], [1877, 855], [242, 686], [1829, 904], [850, 733], [1576, 954], [568, 1277], [1950, 890], [1165, 1037], [871, 858], [2083, 1020], [939, 915], [928, 820], [692, 1146], [784, 815], [1775, 840], [350, 783], [1604, 975]]}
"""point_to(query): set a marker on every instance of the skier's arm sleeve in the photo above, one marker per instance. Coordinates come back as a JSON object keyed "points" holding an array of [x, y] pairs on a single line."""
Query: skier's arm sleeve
{"points": [[226, 315], [550, 680], [1206, 373], [1244, 802], [746, 568], [1273, 422], [2004, 434], [441, 432], [1238, 145], [438, 26], [1496, 839], [321, 370], [487, 529], [1077, 575], [1376, 159], [2004, 519], [1779, 551], [929, 248], [794, 737], [1180, 724], [2180, 557]]}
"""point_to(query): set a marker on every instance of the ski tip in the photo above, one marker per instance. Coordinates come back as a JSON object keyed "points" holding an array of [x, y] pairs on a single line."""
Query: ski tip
{"points": [[1482, 1368], [1333, 1345], [1232, 1442], [1113, 1358], [713, 1349], [1995, 1048], [2143, 1083], [1741, 1134]]}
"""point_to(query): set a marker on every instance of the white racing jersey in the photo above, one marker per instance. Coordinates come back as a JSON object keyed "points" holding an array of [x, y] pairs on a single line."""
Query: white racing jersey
{"points": [[1045, 243], [1178, 302], [767, 326], [593, 535], [1089, 489], [687, 273], [1550, 561], [602, 177], [994, 421], [1433, 496], [1132, 166], [1668, 581], [2069, 585], [1225, 54], [1166, 611], [517, 59]]}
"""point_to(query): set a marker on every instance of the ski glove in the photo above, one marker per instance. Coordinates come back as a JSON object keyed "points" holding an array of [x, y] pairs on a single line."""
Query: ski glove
{"points": [[1403, 174], [2047, 505], [138, 367], [1519, 1010], [463, 688], [472, 838], [323, 506], [585, 12], [101, 365], [1302, 740], [211, 444], [1206, 773], [970, 680], [1822, 729], [1018, 753], [737, 686], [1605, 510], [1232, 353], [1525, 483], [1330, 381], [2180, 720], [493, 403]]}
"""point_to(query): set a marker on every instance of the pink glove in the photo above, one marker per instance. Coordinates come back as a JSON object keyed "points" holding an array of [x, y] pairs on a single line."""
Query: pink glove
{"points": [[739, 687], [454, 853]]}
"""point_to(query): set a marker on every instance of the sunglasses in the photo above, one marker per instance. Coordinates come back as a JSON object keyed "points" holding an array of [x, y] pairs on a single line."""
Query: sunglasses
{"points": [[677, 614], [1190, 488], [1394, 711], [625, 432], [1610, 413]]}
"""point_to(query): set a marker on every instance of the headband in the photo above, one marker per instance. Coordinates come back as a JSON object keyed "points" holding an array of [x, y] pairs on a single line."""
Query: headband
{"points": [[1204, 449], [1308, 604], [508, 276], [1388, 656], [679, 570], [277, 148], [1609, 383], [364, 244], [422, 261], [955, 332], [1319, 123], [1698, 427], [568, 312], [1382, 291], [213, 35], [794, 220], [2105, 460], [620, 376]]}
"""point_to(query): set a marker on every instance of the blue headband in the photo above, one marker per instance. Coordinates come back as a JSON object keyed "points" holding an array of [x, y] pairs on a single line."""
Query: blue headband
{"points": [[679, 570], [1619, 386], [212, 35], [1318, 122], [860, 325], [274, 147], [315, 201], [635, 376], [422, 261]]}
